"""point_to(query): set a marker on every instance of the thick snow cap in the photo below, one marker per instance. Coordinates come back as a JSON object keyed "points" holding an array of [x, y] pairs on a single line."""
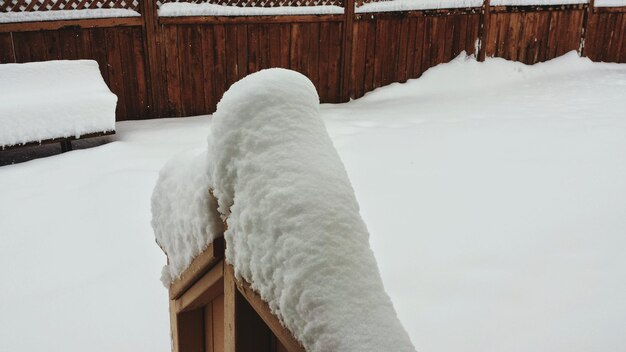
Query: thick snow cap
{"points": [[294, 229]]}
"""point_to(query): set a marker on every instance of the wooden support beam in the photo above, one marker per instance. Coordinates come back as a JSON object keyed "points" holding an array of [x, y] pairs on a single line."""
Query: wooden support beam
{"points": [[198, 267], [483, 30], [203, 291], [230, 310]]}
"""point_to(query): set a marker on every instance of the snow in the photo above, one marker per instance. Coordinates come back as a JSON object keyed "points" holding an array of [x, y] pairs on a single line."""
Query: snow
{"points": [[271, 153], [609, 3], [184, 217], [44, 100], [408, 5], [535, 2], [175, 9], [493, 194], [57, 15]]}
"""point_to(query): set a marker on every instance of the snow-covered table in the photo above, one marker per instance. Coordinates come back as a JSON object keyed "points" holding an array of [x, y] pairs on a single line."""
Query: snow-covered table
{"points": [[54, 101]]}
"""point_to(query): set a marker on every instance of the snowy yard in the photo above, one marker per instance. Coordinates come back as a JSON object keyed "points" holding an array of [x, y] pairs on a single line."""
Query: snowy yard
{"points": [[494, 193]]}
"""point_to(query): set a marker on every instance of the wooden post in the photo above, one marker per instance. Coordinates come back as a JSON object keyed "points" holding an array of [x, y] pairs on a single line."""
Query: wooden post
{"points": [[154, 57], [345, 87], [230, 310], [583, 34], [485, 16]]}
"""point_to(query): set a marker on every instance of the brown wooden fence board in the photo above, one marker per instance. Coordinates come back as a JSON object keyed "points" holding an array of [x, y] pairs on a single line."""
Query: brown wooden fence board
{"points": [[129, 73], [116, 74], [7, 55], [531, 37], [334, 67], [604, 40], [324, 45], [206, 38], [253, 48], [242, 51], [170, 40], [219, 54]]}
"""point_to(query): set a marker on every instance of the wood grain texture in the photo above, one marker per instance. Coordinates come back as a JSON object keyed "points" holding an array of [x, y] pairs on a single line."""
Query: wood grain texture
{"points": [[533, 36], [605, 37]]}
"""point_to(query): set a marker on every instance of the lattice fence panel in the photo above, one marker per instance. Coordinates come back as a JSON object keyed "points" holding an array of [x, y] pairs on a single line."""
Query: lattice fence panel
{"points": [[52, 5], [260, 3]]}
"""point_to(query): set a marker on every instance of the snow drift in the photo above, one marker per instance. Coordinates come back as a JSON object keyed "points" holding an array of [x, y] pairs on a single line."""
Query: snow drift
{"points": [[294, 229]]}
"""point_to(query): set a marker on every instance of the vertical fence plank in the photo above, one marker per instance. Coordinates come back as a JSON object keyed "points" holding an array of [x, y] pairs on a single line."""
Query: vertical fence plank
{"points": [[358, 58], [370, 56], [230, 32], [410, 50], [334, 68], [170, 39], [129, 73], [155, 59], [219, 73], [313, 56], [7, 54], [324, 75], [346, 50], [206, 37]]}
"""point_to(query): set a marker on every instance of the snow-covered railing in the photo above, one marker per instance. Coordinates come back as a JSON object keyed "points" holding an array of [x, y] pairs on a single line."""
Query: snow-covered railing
{"points": [[293, 232]]}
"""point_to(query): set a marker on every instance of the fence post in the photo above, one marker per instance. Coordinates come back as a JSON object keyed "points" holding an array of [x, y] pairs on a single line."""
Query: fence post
{"points": [[485, 16], [154, 58], [345, 88], [583, 34]]}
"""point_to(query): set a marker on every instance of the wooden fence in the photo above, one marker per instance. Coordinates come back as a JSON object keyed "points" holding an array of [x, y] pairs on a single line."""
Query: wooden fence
{"points": [[181, 66]]}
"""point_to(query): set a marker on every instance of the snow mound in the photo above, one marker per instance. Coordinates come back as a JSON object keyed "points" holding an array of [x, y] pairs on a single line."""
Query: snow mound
{"points": [[53, 99], [184, 218], [294, 229]]}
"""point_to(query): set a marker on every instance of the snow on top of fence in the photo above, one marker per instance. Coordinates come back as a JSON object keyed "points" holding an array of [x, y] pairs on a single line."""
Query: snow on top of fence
{"points": [[408, 5], [294, 229], [256, 3], [610, 3], [205, 9], [35, 16], [535, 2], [55, 5]]}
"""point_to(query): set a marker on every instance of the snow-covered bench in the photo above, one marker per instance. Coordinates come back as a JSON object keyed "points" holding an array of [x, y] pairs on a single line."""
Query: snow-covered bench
{"points": [[54, 101]]}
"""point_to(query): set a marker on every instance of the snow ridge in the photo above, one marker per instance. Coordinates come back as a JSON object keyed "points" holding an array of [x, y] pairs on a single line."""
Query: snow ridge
{"points": [[294, 229]]}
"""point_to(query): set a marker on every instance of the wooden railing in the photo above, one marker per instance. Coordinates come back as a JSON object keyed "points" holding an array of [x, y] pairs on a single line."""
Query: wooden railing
{"points": [[181, 66]]}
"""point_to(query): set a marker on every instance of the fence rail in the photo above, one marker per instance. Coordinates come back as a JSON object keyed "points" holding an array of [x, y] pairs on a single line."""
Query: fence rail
{"points": [[181, 66]]}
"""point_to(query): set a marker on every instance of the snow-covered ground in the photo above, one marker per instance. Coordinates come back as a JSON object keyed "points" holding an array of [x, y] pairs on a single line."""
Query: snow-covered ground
{"points": [[494, 193]]}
